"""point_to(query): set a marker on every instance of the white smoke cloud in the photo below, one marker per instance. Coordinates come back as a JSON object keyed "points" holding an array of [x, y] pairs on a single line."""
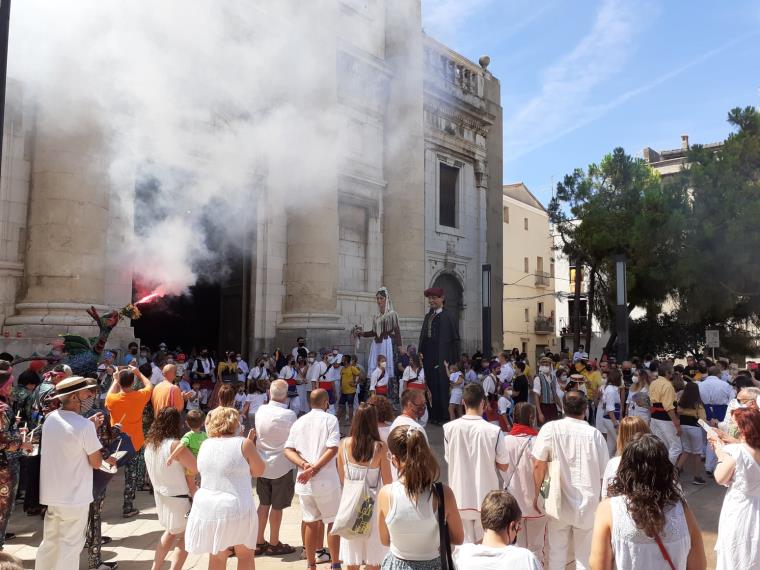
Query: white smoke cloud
{"points": [[209, 100]]}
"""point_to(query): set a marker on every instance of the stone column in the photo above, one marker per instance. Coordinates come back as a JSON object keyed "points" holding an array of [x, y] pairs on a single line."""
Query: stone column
{"points": [[404, 197], [311, 268], [67, 233]]}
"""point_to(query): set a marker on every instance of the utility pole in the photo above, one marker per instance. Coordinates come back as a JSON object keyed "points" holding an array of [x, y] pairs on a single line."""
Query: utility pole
{"points": [[5, 22]]}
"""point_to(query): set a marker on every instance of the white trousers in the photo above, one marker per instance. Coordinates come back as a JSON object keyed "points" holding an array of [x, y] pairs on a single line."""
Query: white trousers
{"points": [[473, 529], [533, 536], [62, 538], [559, 538], [610, 433], [666, 431]]}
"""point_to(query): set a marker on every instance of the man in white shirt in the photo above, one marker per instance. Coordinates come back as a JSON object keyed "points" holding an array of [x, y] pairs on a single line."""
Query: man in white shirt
{"points": [[317, 369], [312, 447], [716, 395], [203, 367], [276, 486], [582, 455], [70, 450], [500, 516], [473, 449], [300, 348], [578, 354], [242, 369], [258, 372], [506, 370], [412, 409]]}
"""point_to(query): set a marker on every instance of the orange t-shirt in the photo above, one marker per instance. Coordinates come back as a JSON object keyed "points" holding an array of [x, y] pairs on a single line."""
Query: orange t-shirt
{"points": [[129, 406], [166, 394]]}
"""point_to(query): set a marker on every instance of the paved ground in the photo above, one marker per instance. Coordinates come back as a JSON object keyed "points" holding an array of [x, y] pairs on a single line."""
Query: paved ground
{"points": [[135, 539]]}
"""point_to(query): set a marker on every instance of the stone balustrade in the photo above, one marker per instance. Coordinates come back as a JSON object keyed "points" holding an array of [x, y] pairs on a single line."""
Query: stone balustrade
{"points": [[445, 65]]}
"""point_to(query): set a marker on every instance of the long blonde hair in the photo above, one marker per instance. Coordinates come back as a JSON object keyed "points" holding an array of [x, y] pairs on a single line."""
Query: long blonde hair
{"points": [[629, 426]]}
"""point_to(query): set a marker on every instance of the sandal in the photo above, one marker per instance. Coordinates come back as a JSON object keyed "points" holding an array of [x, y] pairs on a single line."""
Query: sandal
{"points": [[280, 549], [262, 548]]}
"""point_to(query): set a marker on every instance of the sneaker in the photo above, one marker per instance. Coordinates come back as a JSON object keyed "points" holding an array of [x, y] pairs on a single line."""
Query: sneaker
{"points": [[698, 481], [323, 556], [130, 513]]}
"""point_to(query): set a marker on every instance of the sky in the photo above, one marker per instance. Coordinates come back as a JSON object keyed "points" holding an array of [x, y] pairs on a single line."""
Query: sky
{"points": [[579, 78]]}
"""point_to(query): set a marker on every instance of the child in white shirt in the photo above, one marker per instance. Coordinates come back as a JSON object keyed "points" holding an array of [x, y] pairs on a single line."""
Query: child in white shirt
{"points": [[194, 401], [456, 381], [256, 397], [378, 381]]}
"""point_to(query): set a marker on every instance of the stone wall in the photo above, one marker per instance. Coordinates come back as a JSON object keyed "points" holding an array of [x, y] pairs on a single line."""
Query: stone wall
{"points": [[14, 197]]}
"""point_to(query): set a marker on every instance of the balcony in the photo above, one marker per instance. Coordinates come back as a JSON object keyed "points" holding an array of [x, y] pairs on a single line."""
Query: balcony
{"points": [[454, 74], [543, 279], [569, 326], [543, 325]]}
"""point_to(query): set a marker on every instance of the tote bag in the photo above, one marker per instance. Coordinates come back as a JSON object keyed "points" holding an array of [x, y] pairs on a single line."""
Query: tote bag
{"points": [[357, 505]]}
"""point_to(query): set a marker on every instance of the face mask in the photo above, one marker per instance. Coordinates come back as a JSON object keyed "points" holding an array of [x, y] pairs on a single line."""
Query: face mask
{"points": [[544, 369], [382, 365], [86, 404], [589, 368], [238, 358], [133, 351], [143, 354], [301, 343], [335, 353], [310, 360]]}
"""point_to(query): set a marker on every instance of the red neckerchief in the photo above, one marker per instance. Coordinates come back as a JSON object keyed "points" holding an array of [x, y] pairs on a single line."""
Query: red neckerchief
{"points": [[520, 429]]}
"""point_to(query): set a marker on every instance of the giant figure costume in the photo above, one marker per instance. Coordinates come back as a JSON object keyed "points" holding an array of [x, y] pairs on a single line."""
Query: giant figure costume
{"points": [[439, 342]]}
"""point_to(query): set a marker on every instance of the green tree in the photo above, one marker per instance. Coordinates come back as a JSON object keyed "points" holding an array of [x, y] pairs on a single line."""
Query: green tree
{"points": [[620, 207]]}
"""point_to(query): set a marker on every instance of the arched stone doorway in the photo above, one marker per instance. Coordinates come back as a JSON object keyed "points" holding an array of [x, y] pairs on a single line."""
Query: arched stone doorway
{"points": [[454, 296]]}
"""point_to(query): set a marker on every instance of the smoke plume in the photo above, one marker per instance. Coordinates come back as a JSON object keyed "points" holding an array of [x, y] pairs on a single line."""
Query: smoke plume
{"points": [[204, 103]]}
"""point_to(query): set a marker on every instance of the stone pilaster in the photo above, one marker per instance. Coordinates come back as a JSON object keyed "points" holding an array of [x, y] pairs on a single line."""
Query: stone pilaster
{"points": [[65, 266], [404, 197]]}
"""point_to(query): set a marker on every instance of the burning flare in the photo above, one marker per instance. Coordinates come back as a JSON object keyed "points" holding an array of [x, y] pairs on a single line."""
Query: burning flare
{"points": [[132, 312]]}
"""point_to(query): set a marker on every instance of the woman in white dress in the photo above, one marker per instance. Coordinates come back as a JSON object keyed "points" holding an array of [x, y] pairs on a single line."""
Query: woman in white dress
{"points": [[385, 334], [638, 396], [363, 454], [608, 417], [629, 426], [646, 524], [223, 518], [738, 544], [519, 478], [170, 489]]}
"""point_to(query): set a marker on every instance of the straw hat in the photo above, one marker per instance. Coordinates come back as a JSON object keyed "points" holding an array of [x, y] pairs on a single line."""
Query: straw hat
{"points": [[70, 385]]}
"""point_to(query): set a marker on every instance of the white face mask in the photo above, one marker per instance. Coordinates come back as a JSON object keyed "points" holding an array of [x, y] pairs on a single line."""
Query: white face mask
{"points": [[382, 365], [310, 360], [544, 369]]}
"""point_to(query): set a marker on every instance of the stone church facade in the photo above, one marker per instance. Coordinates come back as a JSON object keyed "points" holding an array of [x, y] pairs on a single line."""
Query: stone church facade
{"points": [[417, 202]]}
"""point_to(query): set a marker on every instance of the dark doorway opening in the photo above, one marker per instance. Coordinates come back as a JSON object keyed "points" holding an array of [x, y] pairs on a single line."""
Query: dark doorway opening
{"points": [[190, 321]]}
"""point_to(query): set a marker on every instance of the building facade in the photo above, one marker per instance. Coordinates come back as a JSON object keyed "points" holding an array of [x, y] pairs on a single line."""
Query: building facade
{"points": [[529, 274], [415, 203]]}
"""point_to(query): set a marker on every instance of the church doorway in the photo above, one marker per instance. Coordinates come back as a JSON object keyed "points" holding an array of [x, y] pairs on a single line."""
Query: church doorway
{"points": [[454, 296]]}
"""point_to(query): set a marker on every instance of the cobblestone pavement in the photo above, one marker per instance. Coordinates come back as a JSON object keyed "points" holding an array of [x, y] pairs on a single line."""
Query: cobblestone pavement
{"points": [[135, 539]]}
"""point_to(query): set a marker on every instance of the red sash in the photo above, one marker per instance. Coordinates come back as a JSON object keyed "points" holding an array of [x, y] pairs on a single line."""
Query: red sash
{"points": [[381, 390], [415, 386]]}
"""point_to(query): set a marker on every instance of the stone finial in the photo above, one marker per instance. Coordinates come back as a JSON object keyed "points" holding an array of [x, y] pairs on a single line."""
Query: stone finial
{"points": [[484, 61]]}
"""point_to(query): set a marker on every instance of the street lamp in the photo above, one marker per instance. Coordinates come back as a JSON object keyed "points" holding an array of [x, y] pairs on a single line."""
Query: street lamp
{"points": [[486, 303], [621, 308]]}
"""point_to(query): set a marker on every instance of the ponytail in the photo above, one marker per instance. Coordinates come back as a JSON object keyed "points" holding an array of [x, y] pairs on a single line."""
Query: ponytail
{"points": [[417, 464]]}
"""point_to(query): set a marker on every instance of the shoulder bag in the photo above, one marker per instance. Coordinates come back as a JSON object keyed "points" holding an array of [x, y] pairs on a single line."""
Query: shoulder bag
{"points": [[357, 505], [664, 552], [447, 562], [517, 463]]}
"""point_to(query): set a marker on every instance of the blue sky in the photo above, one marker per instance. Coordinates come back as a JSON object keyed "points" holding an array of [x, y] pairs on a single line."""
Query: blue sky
{"points": [[579, 78]]}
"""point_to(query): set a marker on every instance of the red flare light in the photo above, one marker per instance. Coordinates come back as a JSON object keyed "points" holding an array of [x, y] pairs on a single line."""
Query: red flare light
{"points": [[150, 297]]}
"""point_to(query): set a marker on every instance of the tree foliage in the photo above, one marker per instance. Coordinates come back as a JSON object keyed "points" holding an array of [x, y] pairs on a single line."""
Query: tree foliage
{"points": [[691, 242]]}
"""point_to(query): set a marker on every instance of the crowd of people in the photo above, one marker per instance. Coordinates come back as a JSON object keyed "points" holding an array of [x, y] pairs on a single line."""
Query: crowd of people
{"points": [[575, 460]]}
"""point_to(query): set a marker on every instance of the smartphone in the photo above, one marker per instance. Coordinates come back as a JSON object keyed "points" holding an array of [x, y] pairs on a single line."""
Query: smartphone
{"points": [[708, 428]]}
